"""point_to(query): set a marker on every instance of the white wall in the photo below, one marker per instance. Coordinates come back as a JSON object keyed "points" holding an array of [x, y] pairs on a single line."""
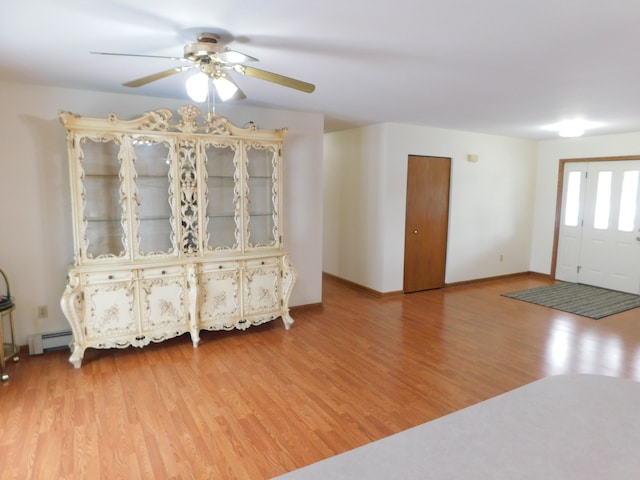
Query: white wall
{"points": [[353, 199], [491, 202], [35, 229], [550, 152]]}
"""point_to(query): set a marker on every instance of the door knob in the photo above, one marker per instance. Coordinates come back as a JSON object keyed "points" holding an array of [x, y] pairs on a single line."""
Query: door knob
{"points": [[415, 232]]}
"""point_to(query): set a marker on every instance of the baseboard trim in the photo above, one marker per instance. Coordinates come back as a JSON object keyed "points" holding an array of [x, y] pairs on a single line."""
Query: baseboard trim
{"points": [[377, 294], [497, 277], [361, 288], [306, 307]]}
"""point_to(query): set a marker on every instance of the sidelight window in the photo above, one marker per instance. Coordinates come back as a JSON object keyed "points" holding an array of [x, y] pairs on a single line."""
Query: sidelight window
{"points": [[628, 204], [572, 208], [603, 201]]}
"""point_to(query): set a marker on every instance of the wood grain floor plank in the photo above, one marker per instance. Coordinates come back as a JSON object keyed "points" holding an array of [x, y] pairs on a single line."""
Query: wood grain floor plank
{"points": [[257, 403]]}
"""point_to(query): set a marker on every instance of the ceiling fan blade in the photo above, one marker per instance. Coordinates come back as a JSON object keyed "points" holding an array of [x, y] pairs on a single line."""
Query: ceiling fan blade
{"points": [[137, 55], [275, 78], [156, 76]]}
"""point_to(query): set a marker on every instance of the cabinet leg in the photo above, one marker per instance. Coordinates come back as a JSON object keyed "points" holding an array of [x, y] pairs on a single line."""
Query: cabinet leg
{"points": [[195, 338], [76, 356], [287, 320]]}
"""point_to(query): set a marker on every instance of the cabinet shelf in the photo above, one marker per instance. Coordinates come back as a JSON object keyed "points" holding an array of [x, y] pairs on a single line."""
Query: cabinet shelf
{"points": [[118, 220], [100, 175], [115, 175], [102, 220], [153, 219]]}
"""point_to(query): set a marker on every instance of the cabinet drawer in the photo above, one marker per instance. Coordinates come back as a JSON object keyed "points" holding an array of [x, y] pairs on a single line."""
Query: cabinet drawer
{"points": [[263, 262], [105, 277], [219, 267], [172, 271]]}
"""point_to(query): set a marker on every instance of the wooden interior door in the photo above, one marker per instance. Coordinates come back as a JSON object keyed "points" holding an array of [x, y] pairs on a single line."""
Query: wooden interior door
{"points": [[427, 220]]}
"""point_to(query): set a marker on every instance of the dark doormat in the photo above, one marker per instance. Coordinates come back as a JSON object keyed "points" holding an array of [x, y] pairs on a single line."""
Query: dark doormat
{"points": [[585, 300]]}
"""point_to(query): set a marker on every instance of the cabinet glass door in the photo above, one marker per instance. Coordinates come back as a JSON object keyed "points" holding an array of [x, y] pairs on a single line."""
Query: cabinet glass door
{"points": [[104, 234], [222, 196], [261, 196], [154, 194]]}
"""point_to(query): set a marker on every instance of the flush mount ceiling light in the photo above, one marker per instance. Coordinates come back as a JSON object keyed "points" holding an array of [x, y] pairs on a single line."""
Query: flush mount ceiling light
{"points": [[572, 128]]}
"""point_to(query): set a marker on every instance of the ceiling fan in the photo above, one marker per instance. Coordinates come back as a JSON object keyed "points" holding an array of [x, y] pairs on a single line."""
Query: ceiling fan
{"points": [[214, 62]]}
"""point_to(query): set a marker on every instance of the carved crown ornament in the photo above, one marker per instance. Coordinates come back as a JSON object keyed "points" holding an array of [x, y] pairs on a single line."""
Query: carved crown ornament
{"points": [[191, 121]]}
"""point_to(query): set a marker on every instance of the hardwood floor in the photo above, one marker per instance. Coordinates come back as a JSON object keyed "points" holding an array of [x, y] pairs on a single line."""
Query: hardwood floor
{"points": [[259, 403]]}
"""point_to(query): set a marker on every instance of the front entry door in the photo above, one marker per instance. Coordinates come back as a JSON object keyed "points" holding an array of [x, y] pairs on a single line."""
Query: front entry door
{"points": [[599, 234], [427, 220], [610, 253]]}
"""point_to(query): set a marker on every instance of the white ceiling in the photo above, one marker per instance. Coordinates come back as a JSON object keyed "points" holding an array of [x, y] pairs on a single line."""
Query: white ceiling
{"points": [[503, 67]]}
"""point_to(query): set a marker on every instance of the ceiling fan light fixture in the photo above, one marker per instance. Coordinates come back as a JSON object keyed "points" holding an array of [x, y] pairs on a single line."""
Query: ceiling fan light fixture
{"points": [[214, 60], [198, 87], [224, 88]]}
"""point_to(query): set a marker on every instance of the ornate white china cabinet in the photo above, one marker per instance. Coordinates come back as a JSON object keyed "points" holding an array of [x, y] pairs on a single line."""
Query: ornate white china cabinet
{"points": [[177, 228]]}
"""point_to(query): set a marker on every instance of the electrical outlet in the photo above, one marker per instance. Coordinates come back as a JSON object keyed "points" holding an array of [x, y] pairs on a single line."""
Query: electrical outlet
{"points": [[43, 311]]}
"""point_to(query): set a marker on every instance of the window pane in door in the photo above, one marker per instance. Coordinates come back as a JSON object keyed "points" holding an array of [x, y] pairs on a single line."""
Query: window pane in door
{"points": [[572, 209], [603, 201], [626, 219]]}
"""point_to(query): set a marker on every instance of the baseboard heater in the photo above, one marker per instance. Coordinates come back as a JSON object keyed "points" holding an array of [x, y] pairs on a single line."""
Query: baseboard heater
{"points": [[47, 342]]}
